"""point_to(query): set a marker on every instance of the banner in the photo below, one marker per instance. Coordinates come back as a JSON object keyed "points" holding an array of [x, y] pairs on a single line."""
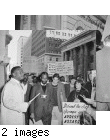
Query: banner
{"points": [[72, 111], [63, 68]]}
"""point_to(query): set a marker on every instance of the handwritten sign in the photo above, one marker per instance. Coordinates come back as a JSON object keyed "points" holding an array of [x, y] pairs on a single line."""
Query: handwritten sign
{"points": [[63, 68], [72, 111], [51, 69]]}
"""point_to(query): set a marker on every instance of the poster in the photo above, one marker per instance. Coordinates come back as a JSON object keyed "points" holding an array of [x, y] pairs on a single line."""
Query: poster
{"points": [[62, 68], [72, 111]]}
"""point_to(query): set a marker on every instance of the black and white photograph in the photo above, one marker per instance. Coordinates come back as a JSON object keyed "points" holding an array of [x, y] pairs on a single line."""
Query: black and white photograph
{"points": [[54, 70]]}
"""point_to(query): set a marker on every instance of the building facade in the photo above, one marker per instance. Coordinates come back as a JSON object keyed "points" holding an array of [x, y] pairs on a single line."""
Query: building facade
{"points": [[82, 50], [29, 64], [21, 42], [5, 39], [48, 41], [60, 22], [45, 45], [42, 61]]}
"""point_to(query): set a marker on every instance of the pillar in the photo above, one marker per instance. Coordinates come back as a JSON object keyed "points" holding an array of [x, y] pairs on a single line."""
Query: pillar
{"points": [[85, 62]]}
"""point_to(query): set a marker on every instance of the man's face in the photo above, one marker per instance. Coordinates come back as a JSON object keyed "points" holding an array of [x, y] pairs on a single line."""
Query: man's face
{"points": [[34, 80], [73, 81], [44, 79], [25, 78], [30, 80], [55, 80], [18, 74], [90, 76]]}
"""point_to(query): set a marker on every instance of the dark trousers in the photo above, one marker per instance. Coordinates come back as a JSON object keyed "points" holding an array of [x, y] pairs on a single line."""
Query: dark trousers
{"points": [[27, 116], [46, 120]]}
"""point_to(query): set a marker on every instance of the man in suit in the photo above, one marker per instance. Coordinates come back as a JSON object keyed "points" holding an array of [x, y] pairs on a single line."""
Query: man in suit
{"points": [[41, 107], [12, 101], [27, 91], [58, 96]]}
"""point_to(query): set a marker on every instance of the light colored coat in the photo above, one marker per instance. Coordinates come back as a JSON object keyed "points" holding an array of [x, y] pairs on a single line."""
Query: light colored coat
{"points": [[12, 104]]}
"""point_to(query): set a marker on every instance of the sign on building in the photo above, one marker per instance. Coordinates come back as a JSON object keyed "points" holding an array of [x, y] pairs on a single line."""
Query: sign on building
{"points": [[72, 112], [63, 68]]}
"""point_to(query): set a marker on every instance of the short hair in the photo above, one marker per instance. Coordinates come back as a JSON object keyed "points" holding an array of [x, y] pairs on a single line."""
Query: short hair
{"points": [[78, 81], [43, 73], [56, 75], [62, 79], [72, 77], [14, 69]]}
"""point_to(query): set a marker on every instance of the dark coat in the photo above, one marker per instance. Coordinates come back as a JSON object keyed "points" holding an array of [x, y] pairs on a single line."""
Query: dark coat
{"points": [[26, 99], [41, 107], [88, 86], [74, 93], [67, 90], [60, 95]]}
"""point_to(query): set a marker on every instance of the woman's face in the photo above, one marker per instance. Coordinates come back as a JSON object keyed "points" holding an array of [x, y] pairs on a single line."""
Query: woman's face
{"points": [[78, 86], [55, 80]]}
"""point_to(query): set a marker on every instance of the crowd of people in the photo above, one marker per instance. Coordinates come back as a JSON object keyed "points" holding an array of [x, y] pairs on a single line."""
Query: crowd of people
{"points": [[46, 108]]}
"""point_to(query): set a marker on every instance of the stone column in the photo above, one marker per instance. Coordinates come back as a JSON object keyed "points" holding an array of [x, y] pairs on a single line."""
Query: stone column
{"points": [[85, 62], [74, 62], [94, 63]]}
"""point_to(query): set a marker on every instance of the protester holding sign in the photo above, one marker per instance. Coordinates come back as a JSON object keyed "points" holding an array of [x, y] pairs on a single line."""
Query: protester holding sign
{"points": [[79, 90]]}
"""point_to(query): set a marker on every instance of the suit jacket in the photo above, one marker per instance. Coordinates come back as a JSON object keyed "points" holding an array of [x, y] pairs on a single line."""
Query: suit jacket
{"points": [[12, 104], [26, 99], [67, 90], [60, 95], [28, 93], [41, 107]]}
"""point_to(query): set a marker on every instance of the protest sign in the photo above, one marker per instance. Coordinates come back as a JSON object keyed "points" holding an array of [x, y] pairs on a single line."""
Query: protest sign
{"points": [[63, 68], [51, 69], [72, 111]]}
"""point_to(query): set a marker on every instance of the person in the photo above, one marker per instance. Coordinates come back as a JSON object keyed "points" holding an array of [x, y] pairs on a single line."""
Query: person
{"points": [[41, 108], [58, 96], [79, 90], [30, 79], [103, 76], [88, 84], [34, 80], [12, 100], [70, 87], [27, 91]]}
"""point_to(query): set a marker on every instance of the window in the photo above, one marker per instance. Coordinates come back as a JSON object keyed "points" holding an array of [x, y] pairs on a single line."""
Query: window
{"points": [[50, 59], [56, 59]]}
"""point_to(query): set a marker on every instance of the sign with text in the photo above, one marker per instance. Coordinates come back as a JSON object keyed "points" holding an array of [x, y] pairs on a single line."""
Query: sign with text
{"points": [[72, 111], [63, 68], [51, 69]]}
